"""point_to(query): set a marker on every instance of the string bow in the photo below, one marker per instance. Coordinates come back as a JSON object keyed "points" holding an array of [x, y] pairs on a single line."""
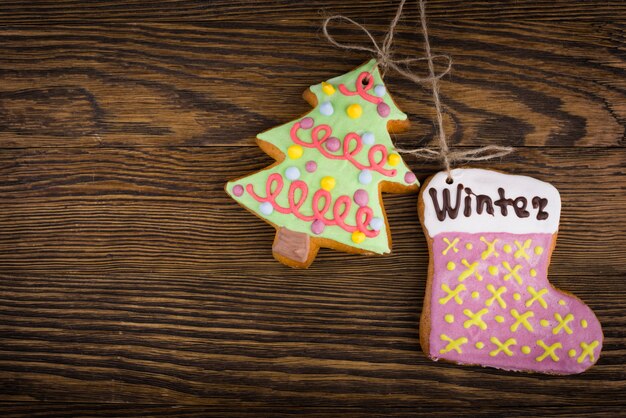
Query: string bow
{"points": [[384, 56]]}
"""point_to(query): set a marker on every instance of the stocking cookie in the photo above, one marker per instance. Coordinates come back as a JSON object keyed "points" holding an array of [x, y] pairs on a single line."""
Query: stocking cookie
{"points": [[332, 165], [488, 301]]}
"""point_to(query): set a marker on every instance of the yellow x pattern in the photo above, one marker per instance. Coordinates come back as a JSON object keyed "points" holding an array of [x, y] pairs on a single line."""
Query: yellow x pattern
{"points": [[521, 249], [471, 270], [563, 323], [451, 246], [588, 351], [475, 318], [537, 296], [521, 319], [549, 351], [452, 344], [502, 347], [512, 272], [491, 248], [452, 294], [497, 296]]}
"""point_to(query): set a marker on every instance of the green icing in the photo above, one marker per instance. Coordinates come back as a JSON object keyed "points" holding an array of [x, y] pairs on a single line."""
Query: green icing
{"points": [[345, 174]]}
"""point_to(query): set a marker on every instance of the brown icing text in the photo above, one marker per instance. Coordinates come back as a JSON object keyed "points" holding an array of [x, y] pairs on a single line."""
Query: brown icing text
{"points": [[485, 203]]}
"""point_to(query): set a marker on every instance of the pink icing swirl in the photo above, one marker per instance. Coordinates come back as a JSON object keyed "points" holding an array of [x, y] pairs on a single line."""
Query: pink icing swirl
{"points": [[347, 154], [297, 194], [362, 88]]}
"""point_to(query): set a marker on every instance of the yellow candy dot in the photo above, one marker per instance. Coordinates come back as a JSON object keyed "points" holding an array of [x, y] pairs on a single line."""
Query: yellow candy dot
{"points": [[354, 111], [451, 266], [394, 160], [499, 318], [358, 237], [526, 349], [517, 296], [449, 318], [583, 323], [572, 353], [562, 302], [544, 323], [328, 89], [538, 250], [328, 183], [295, 151], [469, 246], [493, 270], [507, 248], [533, 273], [475, 294], [480, 345]]}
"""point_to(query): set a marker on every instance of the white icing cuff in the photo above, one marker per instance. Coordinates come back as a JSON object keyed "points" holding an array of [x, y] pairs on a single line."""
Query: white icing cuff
{"points": [[488, 201]]}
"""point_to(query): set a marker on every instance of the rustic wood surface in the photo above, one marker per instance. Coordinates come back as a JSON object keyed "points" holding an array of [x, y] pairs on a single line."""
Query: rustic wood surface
{"points": [[131, 285]]}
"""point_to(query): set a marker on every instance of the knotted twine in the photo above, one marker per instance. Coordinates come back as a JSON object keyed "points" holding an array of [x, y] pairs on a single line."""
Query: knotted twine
{"points": [[384, 57]]}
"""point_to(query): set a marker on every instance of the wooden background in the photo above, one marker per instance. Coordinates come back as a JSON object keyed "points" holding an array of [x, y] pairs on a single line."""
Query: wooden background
{"points": [[130, 284]]}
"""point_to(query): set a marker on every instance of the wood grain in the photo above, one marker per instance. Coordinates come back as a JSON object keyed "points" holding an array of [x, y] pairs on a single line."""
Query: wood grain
{"points": [[47, 409], [131, 285], [20, 11], [526, 83], [142, 278]]}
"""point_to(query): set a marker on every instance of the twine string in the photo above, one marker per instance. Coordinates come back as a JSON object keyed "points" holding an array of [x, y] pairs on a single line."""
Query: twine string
{"points": [[384, 57], [384, 53]]}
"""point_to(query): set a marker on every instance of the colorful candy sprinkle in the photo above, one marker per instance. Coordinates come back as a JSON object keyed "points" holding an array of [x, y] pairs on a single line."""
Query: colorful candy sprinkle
{"points": [[409, 177], [383, 109], [295, 151], [307, 123], [266, 208], [310, 166], [365, 177], [361, 197], [376, 223], [394, 159], [328, 88], [368, 138], [354, 111], [358, 237], [317, 227], [292, 173], [328, 183], [380, 90], [238, 190], [326, 108], [332, 144]]}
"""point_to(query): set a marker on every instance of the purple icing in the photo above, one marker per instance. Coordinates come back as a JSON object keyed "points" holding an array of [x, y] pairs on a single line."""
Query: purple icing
{"points": [[383, 109], [317, 227], [306, 123], [445, 276], [310, 166], [238, 190], [409, 177], [361, 198], [333, 144]]}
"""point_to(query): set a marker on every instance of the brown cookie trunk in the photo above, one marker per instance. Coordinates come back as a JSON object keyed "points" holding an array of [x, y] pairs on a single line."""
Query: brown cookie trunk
{"points": [[293, 248]]}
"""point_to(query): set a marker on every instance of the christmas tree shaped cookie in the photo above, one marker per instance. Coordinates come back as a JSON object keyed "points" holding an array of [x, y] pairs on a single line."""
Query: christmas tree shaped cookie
{"points": [[488, 299], [332, 165]]}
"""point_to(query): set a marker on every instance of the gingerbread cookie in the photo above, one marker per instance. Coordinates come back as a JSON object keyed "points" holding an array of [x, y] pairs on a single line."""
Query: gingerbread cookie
{"points": [[332, 165], [488, 300]]}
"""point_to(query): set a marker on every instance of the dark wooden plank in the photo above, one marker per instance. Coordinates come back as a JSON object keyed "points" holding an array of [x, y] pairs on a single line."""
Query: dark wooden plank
{"points": [[127, 275], [59, 410], [24, 11], [222, 82]]}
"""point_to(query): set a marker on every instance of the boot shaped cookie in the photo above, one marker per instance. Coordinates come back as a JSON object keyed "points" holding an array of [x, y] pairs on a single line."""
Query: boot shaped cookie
{"points": [[488, 299]]}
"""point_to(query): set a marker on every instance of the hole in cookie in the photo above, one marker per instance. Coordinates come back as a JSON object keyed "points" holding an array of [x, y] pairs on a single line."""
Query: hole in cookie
{"points": [[365, 81], [449, 180]]}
